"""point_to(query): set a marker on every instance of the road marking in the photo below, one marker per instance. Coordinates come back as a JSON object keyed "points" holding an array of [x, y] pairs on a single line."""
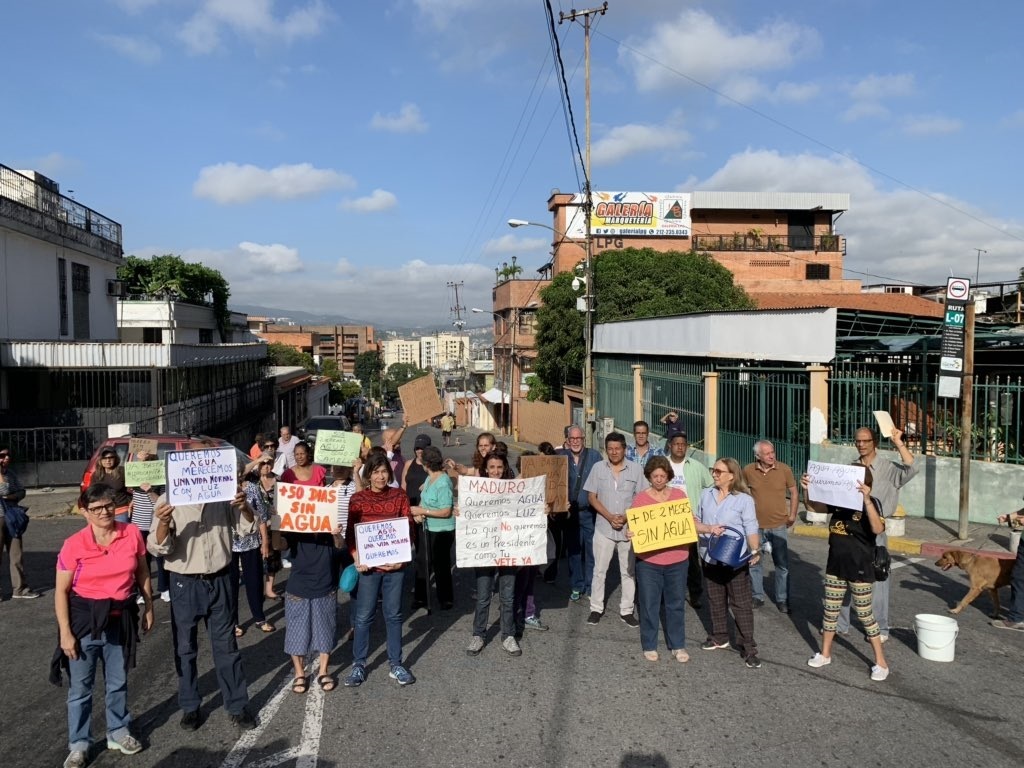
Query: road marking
{"points": [[909, 561]]}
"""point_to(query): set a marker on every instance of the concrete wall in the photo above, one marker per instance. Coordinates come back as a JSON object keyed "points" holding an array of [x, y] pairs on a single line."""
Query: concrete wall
{"points": [[539, 422], [935, 492]]}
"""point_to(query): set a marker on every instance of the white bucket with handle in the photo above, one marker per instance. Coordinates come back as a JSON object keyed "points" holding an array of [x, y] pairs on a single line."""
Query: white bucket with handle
{"points": [[936, 636]]}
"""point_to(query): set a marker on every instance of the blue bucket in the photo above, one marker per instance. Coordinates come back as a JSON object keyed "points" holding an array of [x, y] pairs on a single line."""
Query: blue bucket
{"points": [[728, 549]]}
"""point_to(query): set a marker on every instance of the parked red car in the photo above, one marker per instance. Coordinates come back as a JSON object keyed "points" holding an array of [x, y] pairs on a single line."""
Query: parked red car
{"points": [[165, 443]]}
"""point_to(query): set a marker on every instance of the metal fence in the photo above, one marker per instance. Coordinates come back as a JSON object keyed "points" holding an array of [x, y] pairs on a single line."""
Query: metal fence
{"points": [[931, 424], [613, 380], [764, 404], [676, 385]]}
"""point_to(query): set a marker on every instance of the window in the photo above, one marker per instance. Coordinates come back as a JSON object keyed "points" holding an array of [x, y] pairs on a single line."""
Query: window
{"points": [[62, 292], [152, 336], [817, 272], [206, 336], [80, 299]]}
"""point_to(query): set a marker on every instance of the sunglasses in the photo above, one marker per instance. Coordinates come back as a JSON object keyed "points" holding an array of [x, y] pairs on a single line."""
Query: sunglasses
{"points": [[5, 455], [717, 471]]}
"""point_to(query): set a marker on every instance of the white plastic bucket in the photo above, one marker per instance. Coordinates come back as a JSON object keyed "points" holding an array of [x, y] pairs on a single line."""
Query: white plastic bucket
{"points": [[936, 636]]}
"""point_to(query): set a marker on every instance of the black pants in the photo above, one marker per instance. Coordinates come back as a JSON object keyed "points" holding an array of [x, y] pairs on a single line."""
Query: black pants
{"points": [[440, 545], [694, 575], [558, 526]]}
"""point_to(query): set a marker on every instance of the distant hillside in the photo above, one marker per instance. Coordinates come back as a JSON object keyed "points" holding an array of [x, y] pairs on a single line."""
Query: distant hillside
{"points": [[296, 316]]}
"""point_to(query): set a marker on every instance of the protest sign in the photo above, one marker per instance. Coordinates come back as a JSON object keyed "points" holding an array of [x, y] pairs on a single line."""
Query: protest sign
{"points": [[836, 484], [141, 445], [335, 448], [304, 508], [501, 522], [384, 542], [420, 401], [200, 477], [138, 473], [659, 526], [885, 425], [556, 470]]}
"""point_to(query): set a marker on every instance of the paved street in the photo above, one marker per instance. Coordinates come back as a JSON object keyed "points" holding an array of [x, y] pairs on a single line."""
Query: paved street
{"points": [[579, 695]]}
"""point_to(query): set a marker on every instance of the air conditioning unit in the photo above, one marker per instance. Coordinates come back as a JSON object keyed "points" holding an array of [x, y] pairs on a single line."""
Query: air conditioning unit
{"points": [[116, 288]]}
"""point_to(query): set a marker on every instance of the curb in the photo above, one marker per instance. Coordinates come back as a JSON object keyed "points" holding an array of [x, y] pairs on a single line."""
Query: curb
{"points": [[932, 549], [901, 545]]}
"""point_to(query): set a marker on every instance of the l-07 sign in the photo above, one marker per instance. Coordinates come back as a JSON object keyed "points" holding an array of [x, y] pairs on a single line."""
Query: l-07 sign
{"points": [[955, 317]]}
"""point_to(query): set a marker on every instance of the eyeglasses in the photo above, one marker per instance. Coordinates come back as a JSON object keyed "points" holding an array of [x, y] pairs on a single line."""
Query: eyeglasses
{"points": [[717, 471], [5, 455], [104, 508], [576, 438], [862, 442], [269, 445]]}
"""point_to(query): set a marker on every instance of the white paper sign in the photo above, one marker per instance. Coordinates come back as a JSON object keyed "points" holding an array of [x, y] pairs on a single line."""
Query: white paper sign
{"points": [[200, 477], [836, 484], [384, 542], [885, 424], [501, 522], [304, 508]]}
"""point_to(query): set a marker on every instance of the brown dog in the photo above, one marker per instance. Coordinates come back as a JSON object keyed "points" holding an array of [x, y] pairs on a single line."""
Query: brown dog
{"points": [[984, 571]]}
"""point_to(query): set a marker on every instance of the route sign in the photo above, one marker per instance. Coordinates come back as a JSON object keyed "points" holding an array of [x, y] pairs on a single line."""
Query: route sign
{"points": [[957, 289]]}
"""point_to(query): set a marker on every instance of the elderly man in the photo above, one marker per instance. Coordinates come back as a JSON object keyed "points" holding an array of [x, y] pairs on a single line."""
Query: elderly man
{"points": [[611, 487], [195, 542], [692, 478], [286, 447], [580, 528], [889, 477], [642, 450], [770, 482]]}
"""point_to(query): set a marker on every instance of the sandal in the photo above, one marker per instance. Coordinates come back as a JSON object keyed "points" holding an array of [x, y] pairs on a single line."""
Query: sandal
{"points": [[681, 655], [265, 626], [239, 631], [651, 655], [300, 685], [327, 682]]}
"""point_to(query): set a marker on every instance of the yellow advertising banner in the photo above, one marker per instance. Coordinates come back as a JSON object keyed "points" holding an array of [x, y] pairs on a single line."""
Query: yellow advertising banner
{"points": [[659, 526]]}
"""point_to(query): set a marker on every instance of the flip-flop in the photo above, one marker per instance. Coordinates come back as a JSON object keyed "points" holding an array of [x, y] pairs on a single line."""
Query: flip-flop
{"points": [[265, 626], [327, 682], [239, 631], [300, 685]]}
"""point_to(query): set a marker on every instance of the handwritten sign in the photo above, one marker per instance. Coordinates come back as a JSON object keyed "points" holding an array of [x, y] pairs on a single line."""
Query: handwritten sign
{"points": [[304, 508], [420, 401], [200, 477], [659, 526], [142, 445], [138, 473], [836, 484], [501, 522], [384, 542], [556, 470], [335, 448]]}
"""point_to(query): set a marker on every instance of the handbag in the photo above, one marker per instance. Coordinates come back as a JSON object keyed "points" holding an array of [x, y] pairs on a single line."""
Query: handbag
{"points": [[882, 563], [728, 549], [15, 518]]}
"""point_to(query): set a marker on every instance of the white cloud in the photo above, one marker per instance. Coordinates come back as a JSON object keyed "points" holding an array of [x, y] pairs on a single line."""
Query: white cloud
{"points": [[52, 165], [140, 49], [510, 244], [930, 125], [274, 258], [230, 183], [898, 234], [862, 109], [747, 89], [252, 20], [408, 120], [868, 93], [620, 142], [696, 45], [135, 6], [442, 12], [1014, 120], [378, 200]]}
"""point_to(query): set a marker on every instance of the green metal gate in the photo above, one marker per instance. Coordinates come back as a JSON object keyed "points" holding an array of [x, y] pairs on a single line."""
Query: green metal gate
{"points": [[764, 404]]}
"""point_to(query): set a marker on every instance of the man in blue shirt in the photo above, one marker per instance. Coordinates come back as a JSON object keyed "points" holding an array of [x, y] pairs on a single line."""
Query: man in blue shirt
{"points": [[642, 450], [580, 530]]}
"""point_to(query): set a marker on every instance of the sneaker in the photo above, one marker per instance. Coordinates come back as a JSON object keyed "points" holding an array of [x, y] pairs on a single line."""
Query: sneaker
{"points": [[511, 646], [594, 617], [401, 675], [141, 600], [244, 720], [76, 759], [817, 661], [758, 602], [535, 623], [356, 677], [711, 645], [784, 608], [190, 721], [879, 673], [997, 623], [476, 644], [25, 594], [881, 638], [126, 745], [629, 620], [165, 596], [285, 563], [696, 603], [752, 662], [575, 595]]}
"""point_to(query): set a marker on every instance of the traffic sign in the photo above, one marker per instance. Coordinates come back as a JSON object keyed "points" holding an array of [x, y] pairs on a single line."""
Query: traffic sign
{"points": [[958, 289], [955, 316]]}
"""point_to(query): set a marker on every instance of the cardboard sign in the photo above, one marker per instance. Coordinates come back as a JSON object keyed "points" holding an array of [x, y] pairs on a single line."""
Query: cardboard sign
{"points": [[138, 473], [304, 508], [556, 470], [142, 445], [420, 401], [200, 477], [659, 526], [501, 522], [885, 425], [384, 542], [335, 448], [836, 484]]}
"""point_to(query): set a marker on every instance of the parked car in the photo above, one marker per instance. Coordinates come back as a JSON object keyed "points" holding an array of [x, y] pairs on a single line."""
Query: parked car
{"points": [[315, 423], [165, 443], [387, 413]]}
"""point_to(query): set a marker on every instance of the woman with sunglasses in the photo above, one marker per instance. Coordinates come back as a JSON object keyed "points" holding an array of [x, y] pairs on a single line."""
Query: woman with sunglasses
{"points": [[98, 570], [12, 492], [110, 473], [728, 504]]}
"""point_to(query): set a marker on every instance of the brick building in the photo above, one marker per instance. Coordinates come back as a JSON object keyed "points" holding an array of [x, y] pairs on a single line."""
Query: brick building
{"points": [[341, 343]]}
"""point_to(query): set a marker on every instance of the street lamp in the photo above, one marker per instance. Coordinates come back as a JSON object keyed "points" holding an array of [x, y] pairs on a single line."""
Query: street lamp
{"points": [[516, 313]]}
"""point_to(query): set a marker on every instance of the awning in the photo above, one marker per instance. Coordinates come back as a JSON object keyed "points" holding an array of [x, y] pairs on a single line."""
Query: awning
{"points": [[495, 395]]}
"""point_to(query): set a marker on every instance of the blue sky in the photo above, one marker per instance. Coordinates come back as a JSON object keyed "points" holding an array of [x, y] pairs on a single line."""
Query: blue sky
{"points": [[354, 157]]}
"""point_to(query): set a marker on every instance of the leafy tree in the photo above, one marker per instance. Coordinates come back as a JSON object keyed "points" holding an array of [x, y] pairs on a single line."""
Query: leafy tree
{"points": [[560, 346], [282, 354], [400, 373], [538, 389], [170, 276], [368, 367], [349, 389], [329, 369]]}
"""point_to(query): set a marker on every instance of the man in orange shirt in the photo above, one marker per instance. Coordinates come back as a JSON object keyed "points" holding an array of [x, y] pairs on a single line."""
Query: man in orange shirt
{"points": [[770, 482]]}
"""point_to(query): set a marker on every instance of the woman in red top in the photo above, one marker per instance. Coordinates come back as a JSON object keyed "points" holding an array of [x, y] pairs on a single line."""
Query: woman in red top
{"points": [[380, 501], [98, 570], [305, 472]]}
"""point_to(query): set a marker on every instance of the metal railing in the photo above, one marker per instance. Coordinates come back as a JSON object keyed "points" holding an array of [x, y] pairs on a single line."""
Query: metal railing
{"points": [[770, 243], [675, 385], [764, 404]]}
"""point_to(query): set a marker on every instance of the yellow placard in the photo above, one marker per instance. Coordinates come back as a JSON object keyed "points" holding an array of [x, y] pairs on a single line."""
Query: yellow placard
{"points": [[659, 526]]}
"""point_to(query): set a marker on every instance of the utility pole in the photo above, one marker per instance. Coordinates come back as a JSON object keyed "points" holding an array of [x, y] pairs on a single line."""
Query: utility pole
{"points": [[459, 324], [966, 424], [977, 268], [589, 412]]}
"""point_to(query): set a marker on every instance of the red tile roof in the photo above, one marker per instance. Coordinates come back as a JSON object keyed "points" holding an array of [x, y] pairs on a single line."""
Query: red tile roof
{"points": [[888, 303]]}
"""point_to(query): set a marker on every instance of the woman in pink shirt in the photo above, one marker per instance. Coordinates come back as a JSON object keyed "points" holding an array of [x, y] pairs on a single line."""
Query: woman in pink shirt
{"points": [[305, 472], [661, 573]]}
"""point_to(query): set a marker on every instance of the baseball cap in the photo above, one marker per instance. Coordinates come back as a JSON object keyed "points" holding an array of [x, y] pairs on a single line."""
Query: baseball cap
{"points": [[422, 441]]}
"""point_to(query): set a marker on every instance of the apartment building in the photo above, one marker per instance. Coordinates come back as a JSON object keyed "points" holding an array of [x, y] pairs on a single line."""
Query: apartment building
{"points": [[341, 343]]}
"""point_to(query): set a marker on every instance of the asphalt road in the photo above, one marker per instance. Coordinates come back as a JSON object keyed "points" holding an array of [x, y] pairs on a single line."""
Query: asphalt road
{"points": [[579, 695]]}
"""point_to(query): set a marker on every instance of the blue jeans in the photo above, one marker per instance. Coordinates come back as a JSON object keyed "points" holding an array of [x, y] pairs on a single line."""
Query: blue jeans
{"points": [[389, 587], [1016, 610], [580, 535], [81, 678], [506, 595], [779, 538], [661, 586]]}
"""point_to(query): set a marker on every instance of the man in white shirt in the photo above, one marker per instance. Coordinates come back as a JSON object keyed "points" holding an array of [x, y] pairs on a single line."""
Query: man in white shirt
{"points": [[286, 447]]}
